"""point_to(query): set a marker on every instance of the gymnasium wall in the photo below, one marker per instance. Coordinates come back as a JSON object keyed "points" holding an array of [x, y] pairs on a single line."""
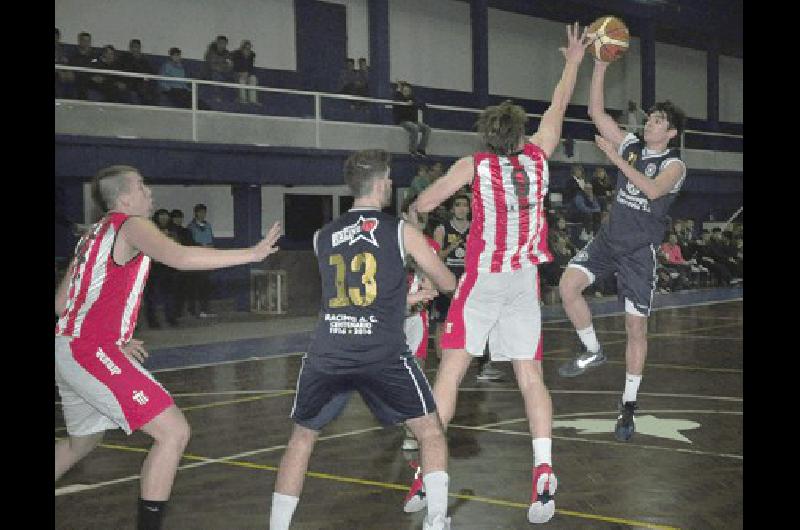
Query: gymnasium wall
{"points": [[430, 43], [730, 89]]}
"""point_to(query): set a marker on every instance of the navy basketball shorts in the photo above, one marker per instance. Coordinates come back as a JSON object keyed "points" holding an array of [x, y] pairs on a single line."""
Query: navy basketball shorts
{"points": [[636, 271], [394, 391]]}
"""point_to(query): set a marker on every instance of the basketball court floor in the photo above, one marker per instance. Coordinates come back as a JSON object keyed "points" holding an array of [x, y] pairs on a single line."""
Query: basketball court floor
{"points": [[235, 383]]}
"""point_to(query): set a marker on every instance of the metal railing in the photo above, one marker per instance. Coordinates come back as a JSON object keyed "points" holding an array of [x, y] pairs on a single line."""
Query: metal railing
{"points": [[318, 96]]}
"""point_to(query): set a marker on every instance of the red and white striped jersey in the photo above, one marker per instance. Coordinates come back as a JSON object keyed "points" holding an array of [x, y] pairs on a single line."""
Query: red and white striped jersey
{"points": [[509, 225], [103, 298]]}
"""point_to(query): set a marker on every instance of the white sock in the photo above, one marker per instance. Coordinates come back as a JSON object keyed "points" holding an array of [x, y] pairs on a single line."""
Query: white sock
{"points": [[541, 451], [282, 510], [631, 387], [436, 484], [589, 339]]}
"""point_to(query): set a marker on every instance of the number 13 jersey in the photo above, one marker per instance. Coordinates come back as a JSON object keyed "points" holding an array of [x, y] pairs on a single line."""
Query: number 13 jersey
{"points": [[509, 226], [362, 267]]}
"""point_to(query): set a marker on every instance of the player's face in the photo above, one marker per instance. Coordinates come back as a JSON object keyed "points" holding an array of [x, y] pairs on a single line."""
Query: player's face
{"points": [[656, 129], [461, 209], [139, 196]]}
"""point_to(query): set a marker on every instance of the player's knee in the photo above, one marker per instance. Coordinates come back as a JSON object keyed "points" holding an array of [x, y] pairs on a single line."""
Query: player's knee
{"points": [[570, 285]]}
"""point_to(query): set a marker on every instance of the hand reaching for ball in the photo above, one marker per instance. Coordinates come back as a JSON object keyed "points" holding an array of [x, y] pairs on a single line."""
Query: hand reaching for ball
{"points": [[576, 46]]}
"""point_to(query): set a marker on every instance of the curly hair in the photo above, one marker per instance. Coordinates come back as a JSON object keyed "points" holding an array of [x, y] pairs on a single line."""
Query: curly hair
{"points": [[501, 127]]}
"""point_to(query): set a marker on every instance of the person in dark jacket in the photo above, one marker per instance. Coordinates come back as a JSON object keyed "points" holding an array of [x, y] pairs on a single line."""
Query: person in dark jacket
{"points": [[406, 117]]}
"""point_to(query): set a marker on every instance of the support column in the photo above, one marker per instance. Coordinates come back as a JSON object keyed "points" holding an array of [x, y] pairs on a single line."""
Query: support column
{"points": [[479, 19], [648, 60], [378, 14]]}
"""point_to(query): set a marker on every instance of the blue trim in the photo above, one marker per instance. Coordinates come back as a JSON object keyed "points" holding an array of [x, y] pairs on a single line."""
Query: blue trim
{"points": [[237, 350]]}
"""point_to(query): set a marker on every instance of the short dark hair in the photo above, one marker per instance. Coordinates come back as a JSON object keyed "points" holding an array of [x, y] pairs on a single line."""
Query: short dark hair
{"points": [[107, 186], [109, 47], [716, 229], [176, 213], [200, 207], [174, 50], [363, 167], [675, 115], [456, 197], [135, 41], [501, 127], [222, 37]]}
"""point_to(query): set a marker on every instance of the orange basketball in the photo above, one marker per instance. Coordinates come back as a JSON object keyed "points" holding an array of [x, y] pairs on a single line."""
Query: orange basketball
{"points": [[610, 38]]}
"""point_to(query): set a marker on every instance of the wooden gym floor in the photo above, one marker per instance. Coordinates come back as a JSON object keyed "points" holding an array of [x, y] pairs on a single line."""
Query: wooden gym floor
{"points": [[682, 469]]}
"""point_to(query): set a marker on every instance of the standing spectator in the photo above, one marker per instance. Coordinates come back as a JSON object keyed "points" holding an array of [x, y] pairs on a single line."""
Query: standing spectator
{"points": [[135, 62], [243, 67], [218, 64], [587, 208], [199, 287], [83, 57], [183, 236], [112, 87], [574, 184], [420, 181], [157, 291], [406, 116], [347, 79]]}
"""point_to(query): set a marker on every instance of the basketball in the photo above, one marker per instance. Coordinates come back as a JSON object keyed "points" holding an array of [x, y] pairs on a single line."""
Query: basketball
{"points": [[610, 38]]}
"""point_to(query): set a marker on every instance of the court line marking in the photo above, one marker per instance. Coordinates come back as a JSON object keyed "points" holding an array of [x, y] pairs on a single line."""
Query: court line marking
{"points": [[699, 317], [614, 413], [203, 461], [466, 389], [656, 335], [601, 442]]}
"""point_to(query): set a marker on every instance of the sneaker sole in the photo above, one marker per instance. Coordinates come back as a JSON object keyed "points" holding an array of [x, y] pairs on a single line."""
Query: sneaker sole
{"points": [[585, 369], [540, 513], [415, 504]]}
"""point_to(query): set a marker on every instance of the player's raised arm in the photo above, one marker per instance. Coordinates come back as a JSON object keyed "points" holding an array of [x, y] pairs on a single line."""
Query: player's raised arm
{"points": [[430, 264], [609, 129], [141, 234], [549, 133], [459, 175]]}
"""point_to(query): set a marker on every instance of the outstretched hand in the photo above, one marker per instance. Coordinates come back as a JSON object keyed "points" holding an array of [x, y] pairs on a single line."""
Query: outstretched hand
{"points": [[576, 46], [267, 245], [605, 146]]}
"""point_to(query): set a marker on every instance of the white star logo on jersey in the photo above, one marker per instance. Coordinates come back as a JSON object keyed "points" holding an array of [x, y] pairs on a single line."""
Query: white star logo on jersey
{"points": [[361, 229]]}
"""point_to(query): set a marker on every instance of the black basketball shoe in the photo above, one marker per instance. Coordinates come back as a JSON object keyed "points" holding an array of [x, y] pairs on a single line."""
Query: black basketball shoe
{"points": [[625, 425]]}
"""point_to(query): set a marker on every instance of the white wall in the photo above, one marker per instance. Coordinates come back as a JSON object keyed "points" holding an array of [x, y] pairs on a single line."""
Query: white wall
{"points": [[430, 43], [524, 62], [188, 24], [730, 89], [218, 199], [357, 28], [681, 78]]}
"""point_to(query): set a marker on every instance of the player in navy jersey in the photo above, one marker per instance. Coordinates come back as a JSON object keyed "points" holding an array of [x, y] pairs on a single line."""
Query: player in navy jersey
{"points": [[359, 343], [650, 176], [497, 299]]}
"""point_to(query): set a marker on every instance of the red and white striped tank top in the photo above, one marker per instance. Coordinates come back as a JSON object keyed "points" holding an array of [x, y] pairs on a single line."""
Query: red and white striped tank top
{"points": [[103, 298], [509, 225]]}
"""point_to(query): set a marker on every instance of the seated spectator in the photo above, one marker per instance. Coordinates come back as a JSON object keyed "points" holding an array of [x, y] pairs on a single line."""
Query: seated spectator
{"points": [[219, 66], [406, 116], [361, 86], [562, 252], [83, 57], [586, 210], [135, 62], [112, 87], [671, 260], [61, 58], [244, 70], [178, 93], [603, 187], [347, 79], [707, 255], [559, 230]]}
